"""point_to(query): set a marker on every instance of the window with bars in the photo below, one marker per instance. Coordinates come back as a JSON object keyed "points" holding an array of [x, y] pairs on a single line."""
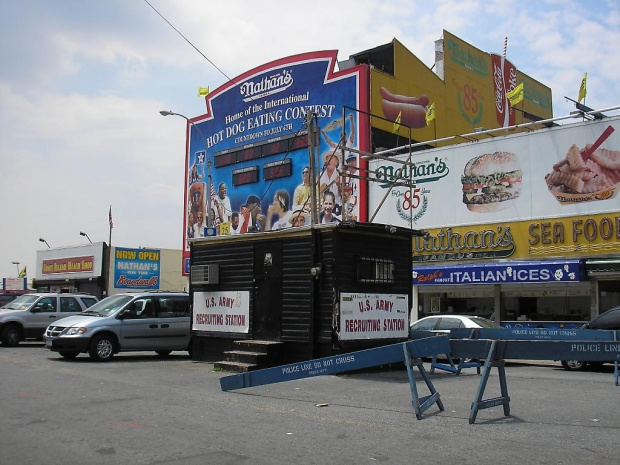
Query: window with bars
{"points": [[375, 270]]}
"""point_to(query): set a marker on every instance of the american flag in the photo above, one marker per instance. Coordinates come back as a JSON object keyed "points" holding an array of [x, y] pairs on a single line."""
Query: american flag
{"points": [[110, 217], [212, 192]]}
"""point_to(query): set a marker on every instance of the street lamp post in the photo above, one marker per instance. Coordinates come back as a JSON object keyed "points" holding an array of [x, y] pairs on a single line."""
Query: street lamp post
{"points": [[43, 240], [17, 265], [209, 172], [82, 233]]}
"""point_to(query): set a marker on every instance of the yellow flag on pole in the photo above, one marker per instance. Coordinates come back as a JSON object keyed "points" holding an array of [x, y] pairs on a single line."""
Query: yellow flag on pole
{"points": [[23, 273], [397, 123], [203, 91], [430, 113], [515, 95], [582, 88]]}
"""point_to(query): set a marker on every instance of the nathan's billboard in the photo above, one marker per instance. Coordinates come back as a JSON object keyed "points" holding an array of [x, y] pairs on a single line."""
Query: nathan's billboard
{"points": [[548, 173], [573, 237], [254, 135], [467, 90], [469, 93], [407, 93]]}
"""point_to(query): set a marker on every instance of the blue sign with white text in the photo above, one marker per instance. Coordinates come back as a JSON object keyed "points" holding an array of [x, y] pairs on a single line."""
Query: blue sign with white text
{"points": [[497, 273], [136, 268]]}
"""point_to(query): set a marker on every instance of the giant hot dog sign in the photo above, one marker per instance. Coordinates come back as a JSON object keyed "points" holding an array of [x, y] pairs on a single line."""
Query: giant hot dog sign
{"points": [[559, 172]]}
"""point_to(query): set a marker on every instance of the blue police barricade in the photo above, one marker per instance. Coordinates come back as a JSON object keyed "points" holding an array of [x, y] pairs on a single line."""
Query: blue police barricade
{"points": [[492, 345]]}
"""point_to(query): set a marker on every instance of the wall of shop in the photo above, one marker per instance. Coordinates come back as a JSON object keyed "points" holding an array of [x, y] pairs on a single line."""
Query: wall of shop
{"points": [[100, 270]]}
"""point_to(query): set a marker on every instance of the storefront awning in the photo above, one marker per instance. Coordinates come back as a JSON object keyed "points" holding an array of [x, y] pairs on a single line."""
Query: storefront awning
{"points": [[601, 266], [498, 273]]}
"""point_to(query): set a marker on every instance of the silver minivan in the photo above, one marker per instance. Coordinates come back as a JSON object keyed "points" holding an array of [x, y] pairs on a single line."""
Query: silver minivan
{"points": [[158, 321]]}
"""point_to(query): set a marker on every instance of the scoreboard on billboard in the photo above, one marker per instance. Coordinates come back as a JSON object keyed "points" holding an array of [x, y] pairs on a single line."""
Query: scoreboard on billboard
{"points": [[253, 140]]}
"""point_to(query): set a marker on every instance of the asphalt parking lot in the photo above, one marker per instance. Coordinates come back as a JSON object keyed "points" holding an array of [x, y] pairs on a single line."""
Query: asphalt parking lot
{"points": [[140, 409]]}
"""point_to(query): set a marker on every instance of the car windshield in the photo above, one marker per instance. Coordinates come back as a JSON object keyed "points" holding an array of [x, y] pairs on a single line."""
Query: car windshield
{"points": [[22, 302], [109, 305]]}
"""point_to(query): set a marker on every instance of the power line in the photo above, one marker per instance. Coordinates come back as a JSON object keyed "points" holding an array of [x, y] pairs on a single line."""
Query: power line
{"points": [[187, 40]]}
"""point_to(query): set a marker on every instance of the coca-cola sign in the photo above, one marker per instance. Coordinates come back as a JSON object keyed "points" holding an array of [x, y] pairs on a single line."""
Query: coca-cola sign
{"points": [[504, 80]]}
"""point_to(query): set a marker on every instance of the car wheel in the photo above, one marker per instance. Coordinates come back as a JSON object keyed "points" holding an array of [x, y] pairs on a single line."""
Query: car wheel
{"points": [[11, 335], [68, 355], [574, 365], [163, 353], [101, 348]]}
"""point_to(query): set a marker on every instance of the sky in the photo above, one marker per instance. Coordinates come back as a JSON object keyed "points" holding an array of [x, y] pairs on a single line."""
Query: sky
{"points": [[82, 83]]}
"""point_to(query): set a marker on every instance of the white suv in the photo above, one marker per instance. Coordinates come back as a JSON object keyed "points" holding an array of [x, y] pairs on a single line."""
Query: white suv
{"points": [[158, 321], [27, 316]]}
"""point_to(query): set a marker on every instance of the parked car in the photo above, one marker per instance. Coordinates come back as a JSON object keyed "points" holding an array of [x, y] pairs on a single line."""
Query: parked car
{"points": [[609, 320], [442, 324], [7, 297], [158, 321], [28, 315]]}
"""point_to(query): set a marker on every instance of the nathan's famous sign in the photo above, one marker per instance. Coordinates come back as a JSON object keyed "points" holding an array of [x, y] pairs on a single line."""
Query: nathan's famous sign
{"points": [[548, 173], [576, 236]]}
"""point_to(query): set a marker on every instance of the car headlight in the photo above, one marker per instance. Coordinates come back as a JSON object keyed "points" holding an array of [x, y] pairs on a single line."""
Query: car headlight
{"points": [[74, 331]]}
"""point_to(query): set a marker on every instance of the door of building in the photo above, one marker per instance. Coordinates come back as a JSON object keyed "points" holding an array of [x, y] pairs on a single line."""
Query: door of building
{"points": [[267, 309]]}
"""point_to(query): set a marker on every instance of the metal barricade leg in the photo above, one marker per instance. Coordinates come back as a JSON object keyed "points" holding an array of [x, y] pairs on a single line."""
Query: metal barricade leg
{"points": [[420, 405], [504, 399]]}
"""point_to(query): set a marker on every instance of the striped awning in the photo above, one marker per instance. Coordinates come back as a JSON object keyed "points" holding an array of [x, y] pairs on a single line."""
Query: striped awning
{"points": [[603, 266]]}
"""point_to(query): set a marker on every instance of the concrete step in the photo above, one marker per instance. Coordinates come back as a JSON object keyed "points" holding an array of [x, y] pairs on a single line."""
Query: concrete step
{"points": [[234, 367], [245, 356]]}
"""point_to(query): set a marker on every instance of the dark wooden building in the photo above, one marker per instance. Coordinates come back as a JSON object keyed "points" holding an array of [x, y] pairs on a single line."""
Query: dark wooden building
{"points": [[299, 293]]}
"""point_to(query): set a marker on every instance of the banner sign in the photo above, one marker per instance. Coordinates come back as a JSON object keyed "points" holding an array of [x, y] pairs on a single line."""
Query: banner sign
{"points": [[373, 316], [548, 173], [227, 312], [254, 137], [504, 81], [573, 236], [499, 273], [68, 265], [136, 268], [14, 284]]}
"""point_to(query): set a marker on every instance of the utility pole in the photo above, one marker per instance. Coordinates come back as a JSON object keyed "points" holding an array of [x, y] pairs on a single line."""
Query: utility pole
{"points": [[314, 183]]}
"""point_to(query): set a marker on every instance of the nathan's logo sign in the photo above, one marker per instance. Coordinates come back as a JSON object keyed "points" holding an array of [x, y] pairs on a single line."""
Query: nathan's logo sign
{"points": [[450, 245], [466, 59], [268, 85], [419, 172], [412, 201]]}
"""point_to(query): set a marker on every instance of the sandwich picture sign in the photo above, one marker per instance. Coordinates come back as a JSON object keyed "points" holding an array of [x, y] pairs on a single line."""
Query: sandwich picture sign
{"points": [[562, 171]]}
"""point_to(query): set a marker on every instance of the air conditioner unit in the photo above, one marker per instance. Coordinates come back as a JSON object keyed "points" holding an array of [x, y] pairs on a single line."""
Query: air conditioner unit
{"points": [[205, 274]]}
